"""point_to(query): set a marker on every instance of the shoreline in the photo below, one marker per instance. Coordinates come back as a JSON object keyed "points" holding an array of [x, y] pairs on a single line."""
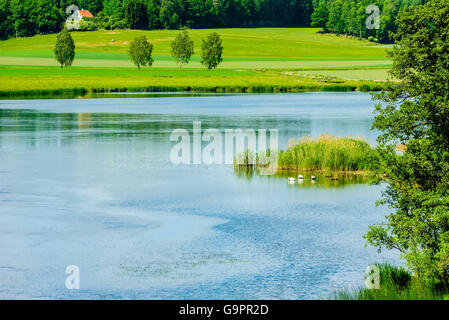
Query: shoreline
{"points": [[82, 92]]}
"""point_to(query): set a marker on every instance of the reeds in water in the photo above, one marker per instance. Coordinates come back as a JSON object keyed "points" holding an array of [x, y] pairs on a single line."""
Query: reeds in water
{"points": [[396, 283], [325, 152]]}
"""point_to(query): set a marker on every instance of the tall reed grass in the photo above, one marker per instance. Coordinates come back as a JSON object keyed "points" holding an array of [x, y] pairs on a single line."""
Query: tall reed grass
{"points": [[396, 283], [325, 152]]}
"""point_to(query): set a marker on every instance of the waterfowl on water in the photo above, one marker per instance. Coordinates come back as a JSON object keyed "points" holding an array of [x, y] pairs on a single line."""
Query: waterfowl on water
{"points": [[313, 177], [300, 177]]}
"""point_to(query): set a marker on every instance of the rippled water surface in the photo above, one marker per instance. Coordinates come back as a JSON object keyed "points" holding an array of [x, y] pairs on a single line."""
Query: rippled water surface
{"points": [[89, 182]]}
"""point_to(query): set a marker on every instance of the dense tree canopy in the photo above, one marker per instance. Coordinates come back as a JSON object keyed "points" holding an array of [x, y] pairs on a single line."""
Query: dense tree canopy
{"points": [[45, 17], [415, 113], [5, 20], [136, 14], [28, 17], [349, 17]]}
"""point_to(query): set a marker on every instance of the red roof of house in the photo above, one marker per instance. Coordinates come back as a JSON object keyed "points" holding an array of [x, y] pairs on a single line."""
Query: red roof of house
{"points": [[85, 13]]}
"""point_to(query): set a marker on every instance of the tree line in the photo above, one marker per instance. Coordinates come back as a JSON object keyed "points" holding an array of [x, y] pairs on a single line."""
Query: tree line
{"points": [[20, 18], [349, 17], [141, 50], [29, 17]]}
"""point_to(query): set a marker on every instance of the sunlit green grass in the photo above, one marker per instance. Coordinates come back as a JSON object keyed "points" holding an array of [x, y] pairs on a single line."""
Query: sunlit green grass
{"points": [[18, 80], [253, 58], [243, 48], [396, 283], [298, 43]]}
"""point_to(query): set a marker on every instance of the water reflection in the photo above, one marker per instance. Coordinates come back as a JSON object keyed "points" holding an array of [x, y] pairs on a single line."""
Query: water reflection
{"points": [[323, 179]]}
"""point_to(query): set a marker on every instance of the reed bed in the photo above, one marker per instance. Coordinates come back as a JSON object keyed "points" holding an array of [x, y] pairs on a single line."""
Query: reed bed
{"points": [[322, 153], [327, 152], [396, 283]]}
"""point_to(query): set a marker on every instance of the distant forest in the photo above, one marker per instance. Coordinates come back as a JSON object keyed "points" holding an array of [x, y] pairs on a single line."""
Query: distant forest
{"points": [[19, 18], [349, 17]]}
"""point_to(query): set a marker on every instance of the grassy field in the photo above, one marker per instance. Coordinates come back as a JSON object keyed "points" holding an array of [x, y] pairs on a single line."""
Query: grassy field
{"points": [[280, 59]]}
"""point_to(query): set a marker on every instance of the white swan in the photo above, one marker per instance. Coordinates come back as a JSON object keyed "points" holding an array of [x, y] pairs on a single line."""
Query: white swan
{"points": [[300, 177]]}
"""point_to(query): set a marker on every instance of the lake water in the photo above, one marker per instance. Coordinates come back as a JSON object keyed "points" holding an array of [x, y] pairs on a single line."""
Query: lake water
{"points": [[89, 182]]}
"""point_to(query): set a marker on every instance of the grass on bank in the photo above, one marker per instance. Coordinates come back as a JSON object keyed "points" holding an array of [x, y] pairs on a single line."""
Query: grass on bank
{"points": [[19, 81], [396, 283], [322, 153]]}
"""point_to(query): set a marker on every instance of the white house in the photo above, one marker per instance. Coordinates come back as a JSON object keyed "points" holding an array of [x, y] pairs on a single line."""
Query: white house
{"points": [[80, 14]]}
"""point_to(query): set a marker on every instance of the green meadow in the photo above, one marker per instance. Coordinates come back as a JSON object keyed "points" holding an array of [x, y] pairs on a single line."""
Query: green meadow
{"points": [[260, 59]]}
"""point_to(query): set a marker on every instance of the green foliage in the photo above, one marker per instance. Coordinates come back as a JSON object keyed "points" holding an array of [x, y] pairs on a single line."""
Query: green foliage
{"points": [[182, 48], [212, 50], [87, 24], [136, 14], [46, 17], [64, 49], [140, 52], [340, 16], [5, 20], [169, 13], [153, 9], [396, 283], [113, 8], [28, 17], [349, 17], [20, 12], [320, 16], [103, 21], [94, 6], [415, 113]]}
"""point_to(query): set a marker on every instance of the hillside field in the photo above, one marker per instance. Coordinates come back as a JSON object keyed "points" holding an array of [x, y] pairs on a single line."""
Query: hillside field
{"points": [[289, 58]]}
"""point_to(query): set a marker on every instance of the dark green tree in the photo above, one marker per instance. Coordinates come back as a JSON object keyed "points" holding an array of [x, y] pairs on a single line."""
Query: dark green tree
{"points": [[5, 20], [153, 9], [182, 48], [415, 112], [46, 17], [335, 21], [136, 14], [64, 48], [21, 11], [320, 16], [212, 51], [113, 8], [170, 13], [140, 52], [95, 6]]}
